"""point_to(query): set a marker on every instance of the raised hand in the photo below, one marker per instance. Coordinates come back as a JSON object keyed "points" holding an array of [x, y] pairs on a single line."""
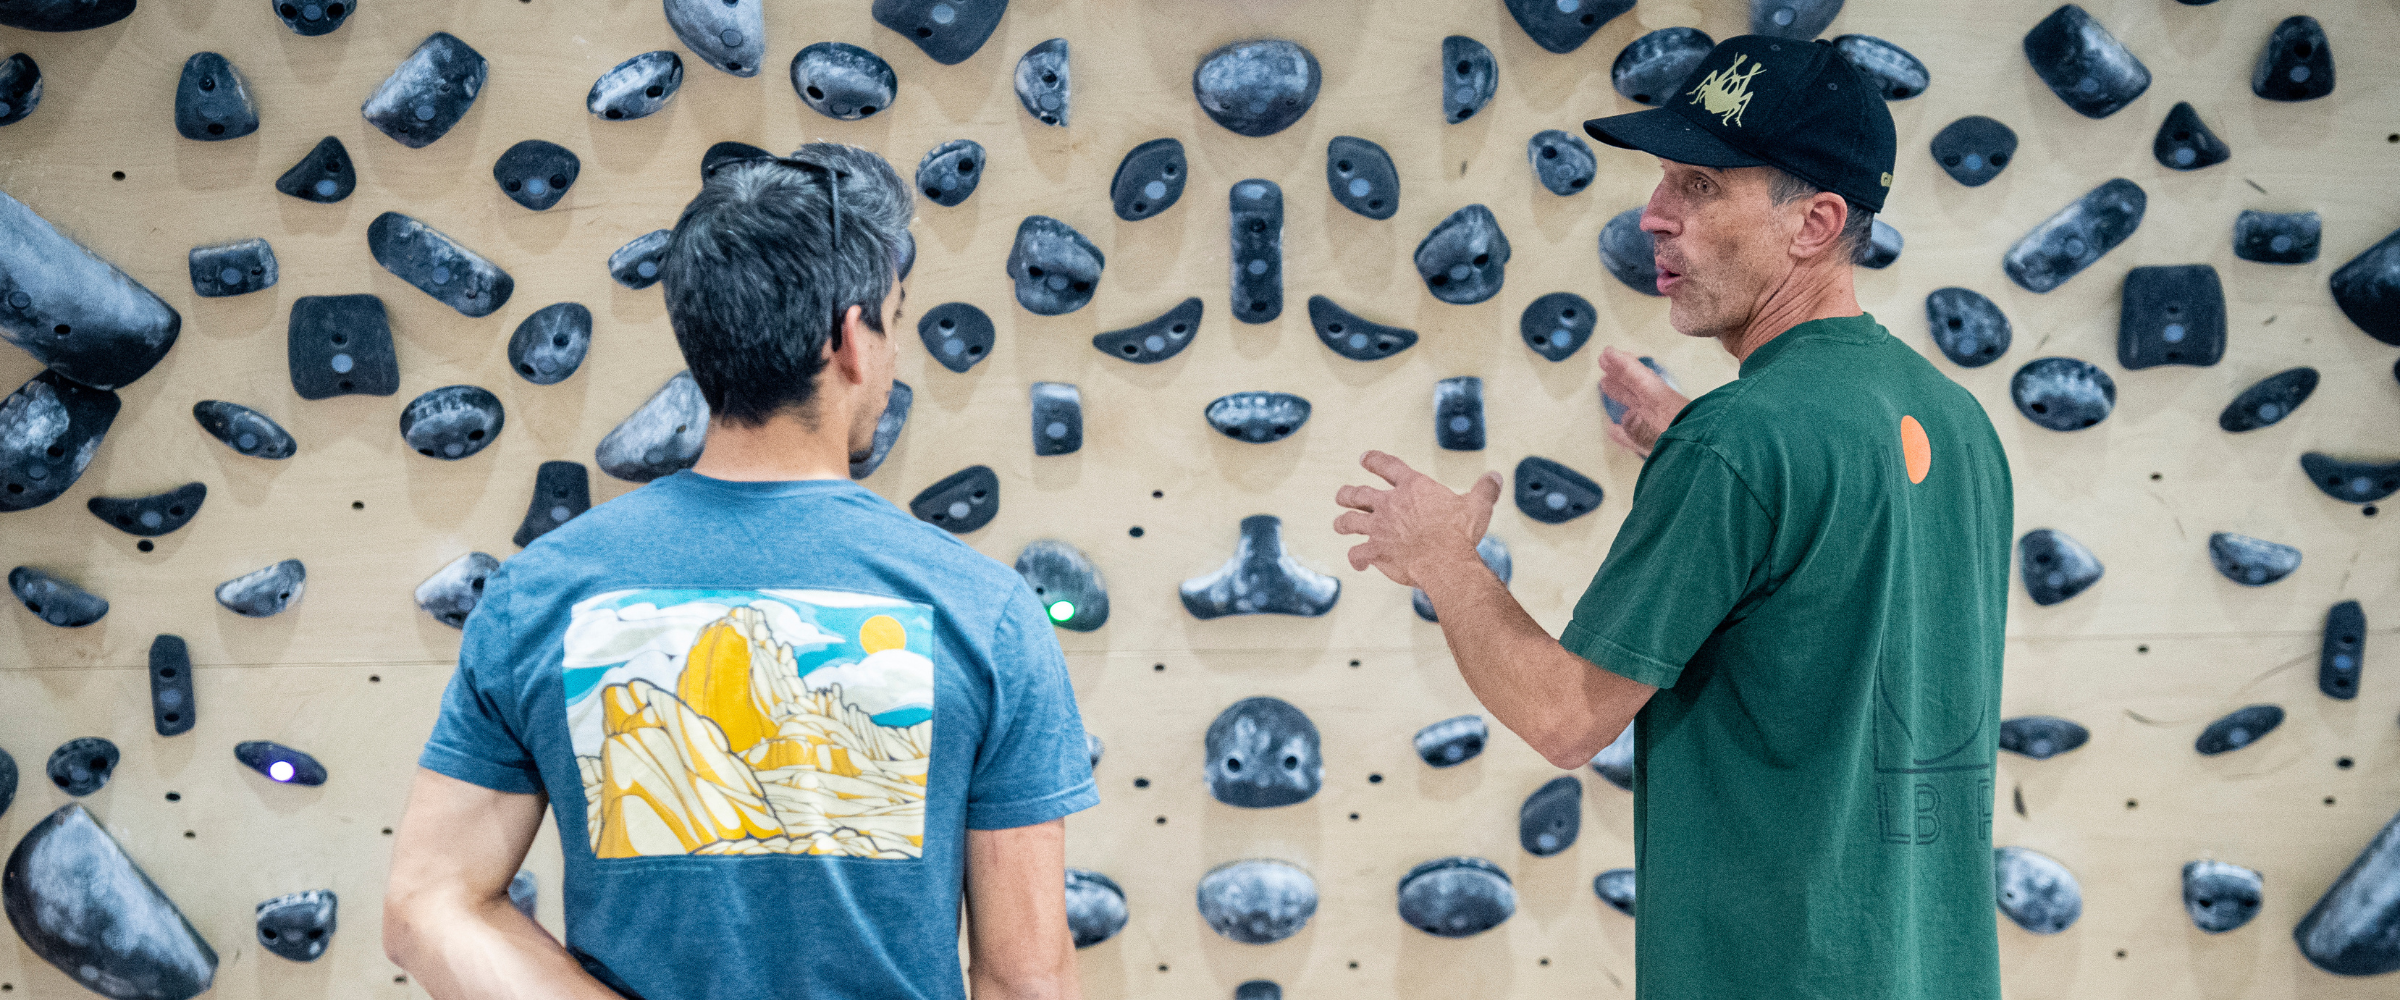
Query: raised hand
{"points": [[1418, 528], [1650, 403]]}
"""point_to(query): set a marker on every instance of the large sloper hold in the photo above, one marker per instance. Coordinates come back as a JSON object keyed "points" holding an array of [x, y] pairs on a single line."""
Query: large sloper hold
{"points": [[636, 264], [1070, 588], [1043, 84], [2271, 399], [244, 430], [2083, 64], [2069, 241], [63, 15], [2344, 651], [75, 313], [1156, 340], [264, 591], [2297, 64], [1452, 741], [430, 90], [2367, 288], [310, 18], [1055, 269], [1262, 753], [1615, 887], [82, 765], [1969, 328], [664, 436], [2251, 562], [1494, 554], [2239, 729], [1149, 180], [2219, 896], [339, 345], [2034, 890], [1974, 149], [549, 345], [2354, 930], [1257, 417], [2171, 315], [20, 88], [2041, 737], [232, 268], [1458, 413], [2277, 237], [1881, 248], [212, 100], [49, 429], [957, 335], [2185, 143], [1552, 493], [1889, 68], [1557, 325], [842, 81], [637, 87], [1258, 901], [173, 707], [152, 515], [948, 30], [888, 426], [1802, 19], [452, 592], [1352, 336], [1564, 25], [536, 173], [730, 35], [1562, 162], [279, 763], [961, 502], [2063, 394], [2351, 482], [1456, 897], [1652, 67], [1551, 817], [1469, 77], [1361, 176], [1615, 761], [452, 422], [1627, 253], [1465, 258], [1095, 907], [1256, 230], [55, 600], [1258, 87], [81, 904], [950, 172], [2055, 566], [561, 490], [324, 176], [299, 925], [1262, 578], [1057, 418], [438, 265]]}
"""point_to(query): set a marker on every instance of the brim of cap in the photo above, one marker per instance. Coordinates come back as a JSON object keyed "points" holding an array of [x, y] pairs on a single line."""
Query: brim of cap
{"points": [[1663, 133]]}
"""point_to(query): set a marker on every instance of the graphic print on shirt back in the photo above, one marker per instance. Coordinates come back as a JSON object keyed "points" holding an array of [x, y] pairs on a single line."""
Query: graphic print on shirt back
{"points": [[719, 722]]}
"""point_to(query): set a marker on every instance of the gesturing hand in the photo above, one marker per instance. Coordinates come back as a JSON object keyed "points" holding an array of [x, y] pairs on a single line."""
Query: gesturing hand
{"points": [[1418, 527], [1650, 403]]}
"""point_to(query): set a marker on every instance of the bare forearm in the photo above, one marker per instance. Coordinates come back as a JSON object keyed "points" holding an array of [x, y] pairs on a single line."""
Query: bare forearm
{"points": [[1562, 705], [485, 950]]}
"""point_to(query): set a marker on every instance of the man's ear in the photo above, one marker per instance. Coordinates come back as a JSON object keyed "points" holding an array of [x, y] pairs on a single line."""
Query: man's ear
{"points": [[1821, 222], [849, 356]]}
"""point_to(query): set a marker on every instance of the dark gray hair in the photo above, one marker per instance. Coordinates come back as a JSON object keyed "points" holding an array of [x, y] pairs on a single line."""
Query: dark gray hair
{"points": [[1784, 187], [755, 287]]}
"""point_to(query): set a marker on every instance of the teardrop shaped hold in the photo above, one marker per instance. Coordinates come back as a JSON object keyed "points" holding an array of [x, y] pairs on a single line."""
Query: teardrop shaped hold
{"points": [[535, 173], [297, 926], [1889, 68], [49, 430], [2071, 240], [438, 265], [1881, 247], [2344, 652], [55, 600], [452, 592], [244, 430], [1616, 888], [2171, 316], [948, 31], [1614, 762], [1469, 77], [2297, 64], [1452, 741], [1562, 26], [1556, 325], [341, 345], [2239, 729], [20, 88], [1156, 340], [1494, 554], [2220, 897], [1458, 413], [2185, 143], [452, 422], [961, 502], [1563, 163], [561, 491], [2277, 237], [549, 345], [1651, 68], [1352, 336], [1969, 328], [1263, 753], [2367, 288], [1551, 817], [950, 172], [636, 88], [236, 267], [1801, 19], [64, 15], [1055, 269], [174, 708], [1149, 180], [1974, 149], [75, 313], [1070, 588], [1043, 84], [2083, 64], [2055, 566], [1257, 417], [2035, 891], [1262, 578], [1057, 418], [1361, 176], [888, 426], [310, 18], [1456, 897], [431, 90], [2354, 929], [264, 591], [730, 35], [842, 81], [1258, 901], [2251, 562], [1256, 233], [1465, 258], [2271, 399], [212, 101], [1627, 251], [2042, 737], [661, 437], [1257, 87], [636, 264], [81, 904], [2351, 482], [1095, 907], [2063, 394], [1552, 493], [279, 763], [957, 335], [150, 516], [324, 176]]}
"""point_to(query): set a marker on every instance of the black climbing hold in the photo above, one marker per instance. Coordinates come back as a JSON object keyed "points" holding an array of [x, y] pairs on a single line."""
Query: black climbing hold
{"points": [[437, 265], [522, 891], [1615, 761], [1494, 554], [1093, 747], [949, 172], [1557, 324], [1801, 19], [1149, 179], [279, 763], [20, 88], [1258, 901], [2344, 652], [636, 264], [1881, 248], [535, 173], [842, 81], [80, 766], [212, 101], [1257, 417], [452, 422], [324, 176], [2252, 562], [1262, 578], [75, 313], [1562, 162], [550, 344], [452, 592], [2271, 399], [1465, 258], [264, 591], [1969, 328], [1258, 989], [2084, 65], [1070, 588], [730, 35], [232, 268], [2354, 930], [2034, 890], [1154, 341], [2185, 143], [1974, 149], [2041, 737], [2351, 482], [431, 90], [561, 490], [2367, 288], [1563, 25], [63, 15], [1651, 68], [2297, 64], [1615, 887], [1627, 253], [1262, 753], [2172, 315], [1469, 77], [2063, 394], [2239, 729], [1552, 493], [957, 334], [1258, 87], [2220, 897], [1354, 337], [1054, 267], [637, 87], [173, 710], [1095, 907], [664, 436], [1043, 84], [49, 429], [341, 345], [297, 926], [150, 516], [55, 600], [310, 18], [2055, 566], [723, 152], [1256, 210], [1362, 177], [2069, 241], [888, 425], [8, 781], [1458, 413], [961, 502], [1616, 410], [81, 904], [948, 30], [1551, 817], [1452, 741], [243, 429], [1889, 68], [1057, 418], [2276, 237], [1456, 897]]}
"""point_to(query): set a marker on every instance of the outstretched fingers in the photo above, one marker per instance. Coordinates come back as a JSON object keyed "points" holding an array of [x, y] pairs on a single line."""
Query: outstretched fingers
{"points": [[1389, 467], [1358, 497], [1352, 523]]}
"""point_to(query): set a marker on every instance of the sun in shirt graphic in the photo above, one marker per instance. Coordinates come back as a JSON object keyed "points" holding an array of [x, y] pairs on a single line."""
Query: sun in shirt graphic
{"points": [[721, 722]]}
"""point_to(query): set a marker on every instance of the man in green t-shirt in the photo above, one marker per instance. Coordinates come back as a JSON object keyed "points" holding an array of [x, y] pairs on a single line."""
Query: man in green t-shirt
{"points": [[1802, 614]]}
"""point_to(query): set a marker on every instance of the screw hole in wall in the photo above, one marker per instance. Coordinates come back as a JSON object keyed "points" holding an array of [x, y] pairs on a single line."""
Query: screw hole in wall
{"points": [[1135, 531], [144, 545], [2343, 763], [358, 505], [173, 797], [119, 175], [1141, 782]]}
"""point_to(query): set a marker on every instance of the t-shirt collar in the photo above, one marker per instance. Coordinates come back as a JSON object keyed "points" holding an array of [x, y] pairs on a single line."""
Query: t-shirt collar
{"points": [[763, 489], [1856, 327]]}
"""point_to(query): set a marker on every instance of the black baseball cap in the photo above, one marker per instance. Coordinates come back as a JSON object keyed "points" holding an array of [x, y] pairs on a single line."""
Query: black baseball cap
{"points": [[1759, 100]]}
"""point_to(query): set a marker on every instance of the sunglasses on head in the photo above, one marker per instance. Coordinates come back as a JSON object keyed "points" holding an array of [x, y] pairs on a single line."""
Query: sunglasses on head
{"points": [[833, 178]]}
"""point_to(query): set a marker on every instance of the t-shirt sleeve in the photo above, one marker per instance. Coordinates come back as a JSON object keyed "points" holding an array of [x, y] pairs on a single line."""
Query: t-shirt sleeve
{"points": [[1033, 765], [1688, 553], [474, 739]]}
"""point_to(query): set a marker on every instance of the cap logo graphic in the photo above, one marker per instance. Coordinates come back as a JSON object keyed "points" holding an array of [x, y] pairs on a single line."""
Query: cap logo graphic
{"points": [[1727, 91]]}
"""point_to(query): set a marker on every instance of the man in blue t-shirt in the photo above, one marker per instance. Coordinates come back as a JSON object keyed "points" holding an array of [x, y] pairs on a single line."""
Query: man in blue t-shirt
{"points": [[783, 723]]}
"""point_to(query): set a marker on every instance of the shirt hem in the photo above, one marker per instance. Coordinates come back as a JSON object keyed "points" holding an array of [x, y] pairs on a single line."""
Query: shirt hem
{"points": [[1008, 815], [497, 777], [1619, 659]]}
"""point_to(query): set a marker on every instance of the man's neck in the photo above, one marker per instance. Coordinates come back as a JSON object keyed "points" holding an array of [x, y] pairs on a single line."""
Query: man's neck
{"points": [[784, 448], [1806, 293]]}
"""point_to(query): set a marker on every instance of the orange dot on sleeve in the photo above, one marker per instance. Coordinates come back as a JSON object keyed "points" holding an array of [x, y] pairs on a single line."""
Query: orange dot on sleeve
{"points": [[1915, 449]]}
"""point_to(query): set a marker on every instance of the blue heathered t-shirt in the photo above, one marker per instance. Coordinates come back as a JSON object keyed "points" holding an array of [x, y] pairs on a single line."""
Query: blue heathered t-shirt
{"points": [[766, 715]]}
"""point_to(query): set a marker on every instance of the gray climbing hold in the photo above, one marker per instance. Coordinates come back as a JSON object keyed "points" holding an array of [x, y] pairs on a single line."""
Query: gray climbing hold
{"points": [[1969, 328], [1057, 418], [311, 18], [636, 88], [153, 515], [243, 429], [663, 436], [550, 344], [523, 891], [1456, 897], [1562, 26], [2276, 237], [1974, 149], [1801, 19], [82, 765], [264, 591], [719, 154], [1615, 887], [2271, 399], [1258, 901], [1257, 417], [81, 904], [430, 90], [1054, 267], [1615, 761], [1256, 231], [452, 592], [1095, 907], [2034, 890], [75, 313], [947, 30], [535, 173], [212, 101], [1258, 87], [2367, 288], [1149, 180], [637, 264], [2055, 566], [297, 926], [1651, 68], [1458, 413], [2185, 143], [1494, 554], [1552, 493], [1263, 753], [2083, 64], [55, 600], [173, 708], [2351, 482], [20, 88], [1469, 77], [1258, 989], [961, 502], [2239, 729], [2354, 929], [1551, 817], [63, 15], [438, 265], [2171, 316], [2251, 562], [949, 172], [888, 425], [1452, 741], [232, 268], [1562, 162], [2344, 651], [1361, 176], [2069, 241], [1616, 410], [2063, 394], [324, 176], [8, 781], [49, 429], [1156, 340], [339, 345], [1354, 337], [1881, 248], [2220, 897], [1262, 578], [1893, 72], [1043, 84], [2297, 64], [2041, 737], [957, 335], [561, 490], [842, 81], [1093, 748], [452, 422], [279, 763], [1556, 325], [1626, 251], [730, 35], [1465, 258], [1071, 589]]}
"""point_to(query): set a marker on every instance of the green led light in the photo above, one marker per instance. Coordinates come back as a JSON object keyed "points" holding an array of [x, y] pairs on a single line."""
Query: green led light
{"points": [[1061, 611]]}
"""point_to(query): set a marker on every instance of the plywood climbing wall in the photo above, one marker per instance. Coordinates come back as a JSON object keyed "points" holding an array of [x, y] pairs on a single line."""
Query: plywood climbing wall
{"points": [[352, 673]]}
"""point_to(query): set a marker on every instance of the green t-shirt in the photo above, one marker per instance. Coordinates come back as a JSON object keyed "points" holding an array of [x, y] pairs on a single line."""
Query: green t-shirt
{"points": [[1815, 575]]}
